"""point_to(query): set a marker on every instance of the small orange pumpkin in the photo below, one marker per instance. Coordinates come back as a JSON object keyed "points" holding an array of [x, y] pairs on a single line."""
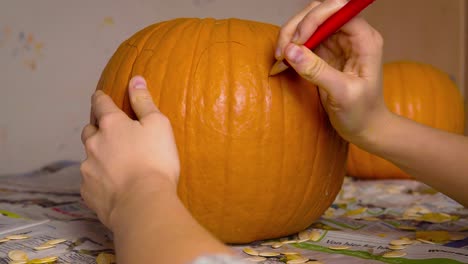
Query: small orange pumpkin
{"points": [[259, 158], [419, 92]]}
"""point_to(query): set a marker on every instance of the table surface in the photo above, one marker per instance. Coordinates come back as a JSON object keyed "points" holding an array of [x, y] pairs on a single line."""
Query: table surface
{"points": [[365, 219]]}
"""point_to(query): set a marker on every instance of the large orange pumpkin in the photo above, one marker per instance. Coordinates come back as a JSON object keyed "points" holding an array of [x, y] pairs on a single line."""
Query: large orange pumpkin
{"points": [[259, 158], [419, 92]]}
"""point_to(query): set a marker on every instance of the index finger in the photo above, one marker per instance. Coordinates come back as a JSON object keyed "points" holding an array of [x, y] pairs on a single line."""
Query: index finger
{"points": [[314, 18], [102, 105], [288, 29]]}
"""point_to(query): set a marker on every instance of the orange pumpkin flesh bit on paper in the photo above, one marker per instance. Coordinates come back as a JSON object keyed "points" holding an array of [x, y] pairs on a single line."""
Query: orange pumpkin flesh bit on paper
{"points": [[419, 92], [259, 158]]}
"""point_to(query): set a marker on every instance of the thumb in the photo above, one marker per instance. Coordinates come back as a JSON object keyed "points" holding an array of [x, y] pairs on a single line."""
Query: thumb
{"points": [[314, 69], [140, 98]]}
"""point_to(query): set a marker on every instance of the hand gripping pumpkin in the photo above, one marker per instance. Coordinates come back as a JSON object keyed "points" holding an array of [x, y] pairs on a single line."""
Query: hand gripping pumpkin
{"points": [[259, 158], [419, 92]]}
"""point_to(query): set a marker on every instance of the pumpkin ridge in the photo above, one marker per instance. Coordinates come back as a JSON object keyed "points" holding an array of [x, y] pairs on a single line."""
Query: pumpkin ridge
{"points": [[188, 108], [334, 168], [322, 127], [299, 205], [132, 68], [446, 123], [230, 102], [263, 119], [428, 93], [283, 141], [282, 177], [155, 35], [130, 45], [404, 98], [188, 104], [171, 51], [310, 180], [262, 137], [115, 87], [146, 36], [438, 123], [126, 99], [145, 41]]}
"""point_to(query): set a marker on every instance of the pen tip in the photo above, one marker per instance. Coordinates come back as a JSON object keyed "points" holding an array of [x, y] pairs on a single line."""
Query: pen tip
{"points": [[278, 67]]}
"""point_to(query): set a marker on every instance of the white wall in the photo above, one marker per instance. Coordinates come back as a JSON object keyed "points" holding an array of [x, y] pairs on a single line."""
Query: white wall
{"points": [[52, 53]]}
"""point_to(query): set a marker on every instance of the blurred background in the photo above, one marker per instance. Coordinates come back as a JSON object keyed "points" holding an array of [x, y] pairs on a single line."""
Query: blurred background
{"points": [[52, 54]]}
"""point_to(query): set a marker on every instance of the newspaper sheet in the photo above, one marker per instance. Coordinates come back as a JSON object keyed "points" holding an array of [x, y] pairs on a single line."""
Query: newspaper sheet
{"points": [[366, 217]]}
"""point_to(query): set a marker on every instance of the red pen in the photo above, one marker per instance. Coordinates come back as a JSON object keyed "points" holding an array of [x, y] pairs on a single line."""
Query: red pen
{"points": [[329, 27]]}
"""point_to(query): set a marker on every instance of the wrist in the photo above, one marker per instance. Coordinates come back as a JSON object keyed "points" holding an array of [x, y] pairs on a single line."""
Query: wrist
{"points": [[377, 130], [138, 195]]}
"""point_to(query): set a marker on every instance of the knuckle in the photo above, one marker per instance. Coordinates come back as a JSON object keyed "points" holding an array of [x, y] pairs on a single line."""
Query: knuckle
{"points": [[144, 98], [314, 3], [379, 40], [84, 187], [164, 120], [283, 35], [352, 91], [349, 89], [90, 146], [85, 173], [98, 97], [339, 2], [83, 168], [310, 21], [86, 199], [313, 70], [283, 30], [83, 191], [108, 120], [83, 133], [300, 30], [159, 119]]}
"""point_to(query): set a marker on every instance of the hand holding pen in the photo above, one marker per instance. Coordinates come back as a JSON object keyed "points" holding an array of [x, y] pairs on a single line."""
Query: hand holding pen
{"points": [[346, 67], [325, 30]]}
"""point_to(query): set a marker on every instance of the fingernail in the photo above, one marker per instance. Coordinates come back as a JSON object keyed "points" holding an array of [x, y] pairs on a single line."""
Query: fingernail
{"points": [[295, 37], [138, 82], [278, 53], [294, 53], [99, 92]]}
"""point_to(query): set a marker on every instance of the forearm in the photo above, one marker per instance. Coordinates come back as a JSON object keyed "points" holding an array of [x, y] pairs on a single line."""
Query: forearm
{"points": [[156, 228], [435, 157]]}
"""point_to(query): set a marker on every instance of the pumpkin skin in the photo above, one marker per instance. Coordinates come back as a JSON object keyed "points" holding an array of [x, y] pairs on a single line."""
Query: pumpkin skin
{"points": [[259, 158], [419, 92]]}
